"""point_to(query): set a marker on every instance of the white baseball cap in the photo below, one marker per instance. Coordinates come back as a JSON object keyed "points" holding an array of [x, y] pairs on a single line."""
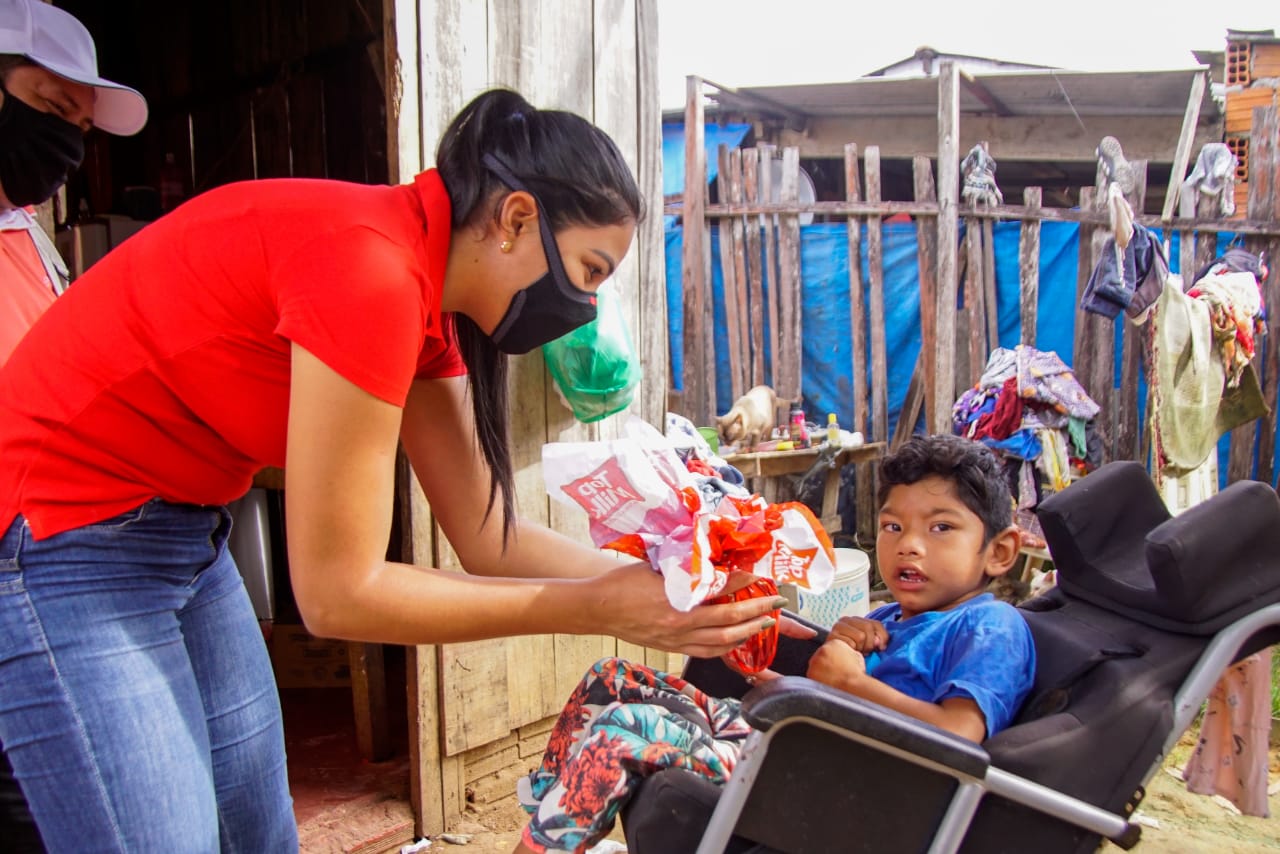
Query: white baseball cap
{"points": [[55, 40]]}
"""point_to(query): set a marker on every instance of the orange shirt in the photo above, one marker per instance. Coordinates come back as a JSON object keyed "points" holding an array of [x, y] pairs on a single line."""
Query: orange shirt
{"points": [[25, 289], [164, 370]]}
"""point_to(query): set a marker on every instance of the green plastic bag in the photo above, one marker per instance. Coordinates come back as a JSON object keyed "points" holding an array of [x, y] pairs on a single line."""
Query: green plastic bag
{"points": [[595, 366]]}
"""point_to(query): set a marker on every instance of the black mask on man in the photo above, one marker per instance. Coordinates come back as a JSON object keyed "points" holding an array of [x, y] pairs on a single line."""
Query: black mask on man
{"points": [[550, 307], [38, 152]]}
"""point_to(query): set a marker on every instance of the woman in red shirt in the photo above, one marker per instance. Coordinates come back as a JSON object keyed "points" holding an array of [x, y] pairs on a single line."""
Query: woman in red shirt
{"points": [[311, 325]]}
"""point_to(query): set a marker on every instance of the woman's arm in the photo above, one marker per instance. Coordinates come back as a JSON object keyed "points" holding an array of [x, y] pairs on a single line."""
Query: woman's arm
{"points": [[340, 482], [438, 435]]}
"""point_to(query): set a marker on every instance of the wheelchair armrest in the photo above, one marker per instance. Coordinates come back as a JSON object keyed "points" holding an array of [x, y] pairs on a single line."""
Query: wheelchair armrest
{"points": [[777, 701]]}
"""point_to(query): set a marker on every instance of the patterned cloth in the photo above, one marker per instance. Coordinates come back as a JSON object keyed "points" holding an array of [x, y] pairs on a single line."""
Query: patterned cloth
{"points": [[623, 723], [1231, 755]]}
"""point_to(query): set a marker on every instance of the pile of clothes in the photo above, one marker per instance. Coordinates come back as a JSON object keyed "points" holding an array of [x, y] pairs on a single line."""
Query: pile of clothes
{"points": [[1029, 407]]}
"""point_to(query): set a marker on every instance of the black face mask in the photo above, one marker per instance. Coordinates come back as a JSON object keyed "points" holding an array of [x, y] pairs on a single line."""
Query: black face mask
{"points": [[38, 152], [551, 306]]}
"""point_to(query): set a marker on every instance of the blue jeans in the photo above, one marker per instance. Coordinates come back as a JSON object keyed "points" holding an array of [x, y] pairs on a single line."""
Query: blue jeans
{"points": [[137, 703]]}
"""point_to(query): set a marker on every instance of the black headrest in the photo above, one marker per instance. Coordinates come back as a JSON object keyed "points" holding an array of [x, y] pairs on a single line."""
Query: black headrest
{"points": [[1115, 545]]}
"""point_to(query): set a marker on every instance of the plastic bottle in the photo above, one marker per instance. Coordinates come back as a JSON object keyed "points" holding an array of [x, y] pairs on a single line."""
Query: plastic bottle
{"points": [[799, 432], [833, 430]]}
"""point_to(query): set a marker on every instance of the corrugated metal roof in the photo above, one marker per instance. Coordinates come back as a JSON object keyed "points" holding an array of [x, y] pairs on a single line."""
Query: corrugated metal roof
{"points": [[1033, 93]]}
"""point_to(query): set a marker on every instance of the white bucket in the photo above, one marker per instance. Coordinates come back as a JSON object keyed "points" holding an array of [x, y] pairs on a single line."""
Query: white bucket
{"points": [[849, 594]]}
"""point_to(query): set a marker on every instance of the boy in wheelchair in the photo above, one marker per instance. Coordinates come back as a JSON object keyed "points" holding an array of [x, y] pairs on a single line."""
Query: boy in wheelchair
{"points": [[943, 651]]}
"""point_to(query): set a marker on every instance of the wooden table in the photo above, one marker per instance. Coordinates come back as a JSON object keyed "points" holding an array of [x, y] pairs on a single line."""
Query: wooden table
{"points": [[771, 466]]}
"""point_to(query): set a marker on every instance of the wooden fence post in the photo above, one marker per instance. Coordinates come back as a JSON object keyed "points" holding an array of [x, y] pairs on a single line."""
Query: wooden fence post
{"points": [[948, 230], [699, 371], [755, 279], [1029, 265], [875, 272], [788, 360]]}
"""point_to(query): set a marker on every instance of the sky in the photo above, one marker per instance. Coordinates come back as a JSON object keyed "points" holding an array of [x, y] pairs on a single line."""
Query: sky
{"points": [[766, 42]]}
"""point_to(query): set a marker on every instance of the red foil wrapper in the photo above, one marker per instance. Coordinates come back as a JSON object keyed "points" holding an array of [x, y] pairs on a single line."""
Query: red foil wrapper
{"points": [[756, 652]]}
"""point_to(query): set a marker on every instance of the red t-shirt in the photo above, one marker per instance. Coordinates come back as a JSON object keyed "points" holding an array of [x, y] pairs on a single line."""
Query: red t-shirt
{"points": [[164, 370], [25, 289]]}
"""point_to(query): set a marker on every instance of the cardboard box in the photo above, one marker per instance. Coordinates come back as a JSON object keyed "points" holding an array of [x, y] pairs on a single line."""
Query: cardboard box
{"points": [[302, 660]]}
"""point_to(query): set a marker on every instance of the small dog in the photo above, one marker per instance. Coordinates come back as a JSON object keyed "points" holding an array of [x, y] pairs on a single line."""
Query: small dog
{"points": [[751, 417]]}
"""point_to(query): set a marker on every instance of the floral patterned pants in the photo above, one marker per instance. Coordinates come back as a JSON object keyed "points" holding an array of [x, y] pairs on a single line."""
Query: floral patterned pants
{"points": [[623, 723]]}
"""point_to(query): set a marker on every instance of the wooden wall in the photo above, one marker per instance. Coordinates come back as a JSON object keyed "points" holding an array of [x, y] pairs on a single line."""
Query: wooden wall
{"points": [[481, 708]]}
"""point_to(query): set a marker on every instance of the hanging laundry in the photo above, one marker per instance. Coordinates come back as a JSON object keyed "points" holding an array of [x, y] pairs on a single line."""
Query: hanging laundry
{"points": [[1190, 401], [1128, 280], [1235, 303]]}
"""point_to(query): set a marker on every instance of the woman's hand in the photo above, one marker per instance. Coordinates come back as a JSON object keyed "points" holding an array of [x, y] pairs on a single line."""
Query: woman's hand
{"points": [[631, 604], [864, 635]]}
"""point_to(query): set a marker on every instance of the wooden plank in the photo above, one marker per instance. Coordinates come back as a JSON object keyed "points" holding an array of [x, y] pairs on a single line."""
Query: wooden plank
{"points": [[579, 35], [875, 273], [1182, 155], [1102, 381], [864, 498], [975, 301], [927, 267], [475, 677], [730, 256], [948, 226], [771, 259], [755, 270], [741, 377], [654, 345], [1029, 266], [857, 309], [1128, 437], [1085, 329], [989, 284], [369, 700], [911, 405], [1206, 241], [790, 356], [698, 378], [1000, 212], [1264, 202]]}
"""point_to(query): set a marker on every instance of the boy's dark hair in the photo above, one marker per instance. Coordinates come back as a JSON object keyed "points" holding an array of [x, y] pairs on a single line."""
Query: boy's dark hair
{"points": [[974, 470], [581, 178]]}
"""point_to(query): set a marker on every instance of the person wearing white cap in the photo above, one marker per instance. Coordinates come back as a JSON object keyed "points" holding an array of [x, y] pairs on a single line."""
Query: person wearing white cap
{"points": [[50, 95]]}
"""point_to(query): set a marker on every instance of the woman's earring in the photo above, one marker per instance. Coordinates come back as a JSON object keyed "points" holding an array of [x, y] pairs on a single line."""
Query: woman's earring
{"points": [[506, 245]]}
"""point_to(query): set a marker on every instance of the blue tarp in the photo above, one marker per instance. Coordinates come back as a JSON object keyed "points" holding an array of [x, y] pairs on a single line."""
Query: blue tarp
{"points": [[673, 152], [825, 323]]}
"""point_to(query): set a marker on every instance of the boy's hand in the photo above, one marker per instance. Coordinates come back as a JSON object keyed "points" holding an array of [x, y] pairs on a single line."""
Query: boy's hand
{"points": [[862, 634], [837, 663]]}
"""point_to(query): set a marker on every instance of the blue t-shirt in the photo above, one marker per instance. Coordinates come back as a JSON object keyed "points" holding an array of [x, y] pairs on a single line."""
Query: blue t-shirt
{"points": [[981, 649]]}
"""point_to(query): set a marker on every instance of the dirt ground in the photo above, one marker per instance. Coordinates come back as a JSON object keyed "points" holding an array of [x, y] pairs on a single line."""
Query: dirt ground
{"points": [[1184, 823]]}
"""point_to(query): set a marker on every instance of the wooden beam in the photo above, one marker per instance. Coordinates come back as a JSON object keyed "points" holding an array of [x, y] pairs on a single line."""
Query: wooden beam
{"points": [[875, 272], [974, 87], [926, 367], [1182, 154], [788, 361], [1264, 169], [1049, 139], [770, 260], [655, 335], [857, 310], [730, 261], [939, 419], [755, 278], [1128, 436], [1029, 266], [698, 377]]}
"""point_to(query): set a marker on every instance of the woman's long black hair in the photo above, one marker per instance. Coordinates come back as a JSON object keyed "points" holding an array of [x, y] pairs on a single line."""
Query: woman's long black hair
{"points": [[580, 177]]}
